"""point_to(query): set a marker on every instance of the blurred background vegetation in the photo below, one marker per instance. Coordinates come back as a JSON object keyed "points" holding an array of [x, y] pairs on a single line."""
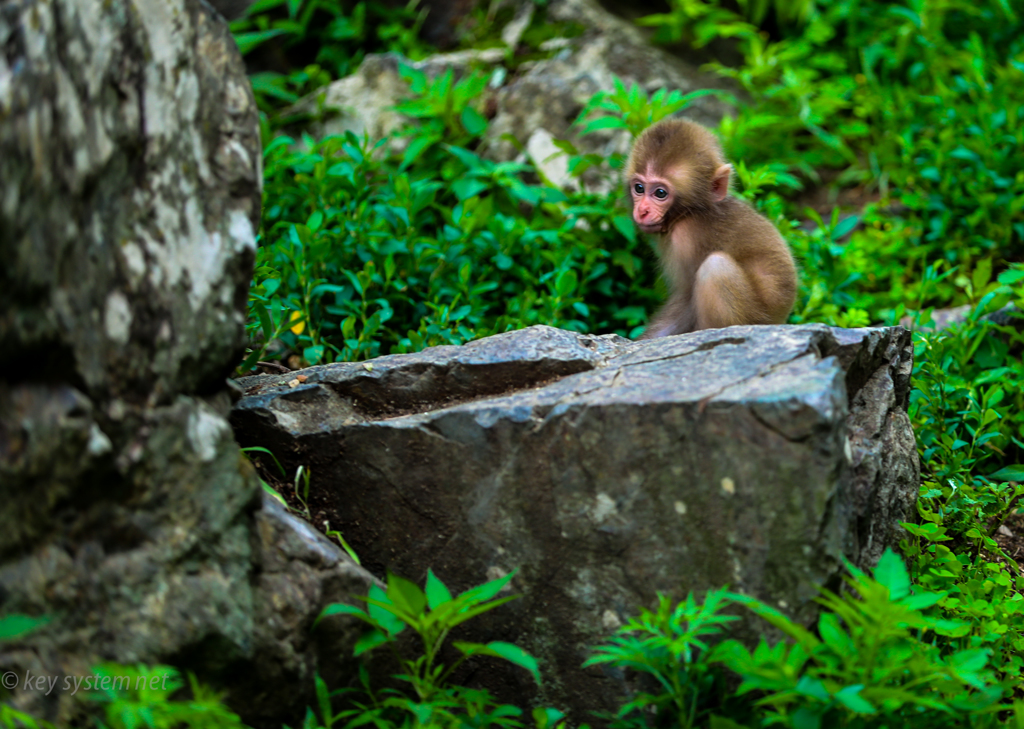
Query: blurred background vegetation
{"points": [[885, 140]]}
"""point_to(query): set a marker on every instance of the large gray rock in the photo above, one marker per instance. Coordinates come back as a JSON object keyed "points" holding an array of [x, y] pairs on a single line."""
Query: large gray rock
{"points": [[130, 165], [606, 471], [129, 195]]}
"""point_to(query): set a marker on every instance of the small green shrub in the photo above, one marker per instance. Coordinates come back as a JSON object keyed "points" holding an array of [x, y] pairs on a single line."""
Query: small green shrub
{"points": [[432, 613], [140, 696], [881, 656], [876, 660], [668, 645]]}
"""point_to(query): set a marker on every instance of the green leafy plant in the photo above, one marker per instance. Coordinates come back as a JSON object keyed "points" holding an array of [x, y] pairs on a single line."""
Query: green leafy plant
{"points": [[697, 22], [669, 645], [632, 109], [874, 659], [335, 534], [140, 696], [445, 106], [432, 613], [11, 718]]}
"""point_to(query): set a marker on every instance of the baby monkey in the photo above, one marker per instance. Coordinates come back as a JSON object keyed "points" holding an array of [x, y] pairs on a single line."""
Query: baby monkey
{"points": [[724, 262]]}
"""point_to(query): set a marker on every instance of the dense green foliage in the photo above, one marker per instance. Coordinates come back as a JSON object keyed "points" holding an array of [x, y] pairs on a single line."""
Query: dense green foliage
{"points": [[297, 46], [912, 108], [877, 660]]}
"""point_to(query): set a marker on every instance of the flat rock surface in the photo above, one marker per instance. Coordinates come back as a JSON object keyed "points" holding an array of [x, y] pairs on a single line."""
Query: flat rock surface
{"points": [[605, 471]]}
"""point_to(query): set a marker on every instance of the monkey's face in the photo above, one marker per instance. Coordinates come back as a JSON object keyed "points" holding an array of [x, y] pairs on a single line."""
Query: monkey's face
{"points": [[652, 198], [660, 200]]}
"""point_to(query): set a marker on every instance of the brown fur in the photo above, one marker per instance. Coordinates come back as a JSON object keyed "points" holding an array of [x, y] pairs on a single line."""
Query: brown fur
{"points": [[724, 262]]}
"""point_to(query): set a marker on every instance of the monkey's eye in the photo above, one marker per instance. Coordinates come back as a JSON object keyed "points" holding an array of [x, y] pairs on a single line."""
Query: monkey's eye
{"points": [[661, 193], [638, 189]]}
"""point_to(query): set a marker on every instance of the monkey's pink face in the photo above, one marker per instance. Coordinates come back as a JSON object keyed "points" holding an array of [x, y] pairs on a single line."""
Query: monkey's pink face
{"points": [[652, 197]]}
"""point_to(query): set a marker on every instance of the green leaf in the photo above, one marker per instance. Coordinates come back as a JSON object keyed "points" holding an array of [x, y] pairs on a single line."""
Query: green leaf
{"points": [[566, 282], [406, 595], [604, 122], [262, 6], [370, 640], [969, 661], [510, 652], [552, 195], [806, 718], [381, 611], [891, 573], [313, 354], [473, 121], [1011, 276], [467, 187], [472, 161], [624, 224], [834, 636], [766, 612], [416, 78], [437, 593], [982, 274], [16, 625], [270, 492], [628, 263], [416, 147], [337, 608], [486, 591], [517, 656], [470, 613], [323, 699], [247, 41], [845, 226], [921, 600], [266, 325], [812, 687], [1008, 473], [546, 718], [521, 191], [850, 698], [566, 146], [315, 221]]}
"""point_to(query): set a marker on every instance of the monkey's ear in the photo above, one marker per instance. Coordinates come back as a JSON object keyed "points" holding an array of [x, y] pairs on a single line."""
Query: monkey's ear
{"points": [[720, 182]]}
